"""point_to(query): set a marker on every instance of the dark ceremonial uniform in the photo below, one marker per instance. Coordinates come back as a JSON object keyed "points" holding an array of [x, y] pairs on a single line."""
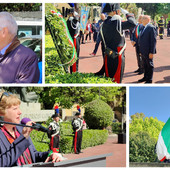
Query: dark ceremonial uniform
{"points": [[161, 28], [168, 29], [77, 124], [54, 136], [135, 38], [74, 29], [114, 40]]}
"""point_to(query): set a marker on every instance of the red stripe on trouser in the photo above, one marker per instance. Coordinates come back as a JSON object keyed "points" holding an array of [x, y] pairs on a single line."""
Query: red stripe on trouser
{"points": [[74, 65], [163, 159], [106, 67], [75, 143], [51, 143], [118, 71], [55, 150]]}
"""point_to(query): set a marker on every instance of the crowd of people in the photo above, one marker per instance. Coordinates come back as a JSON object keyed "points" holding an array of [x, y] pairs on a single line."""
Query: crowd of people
{"points": [[110, 31]]}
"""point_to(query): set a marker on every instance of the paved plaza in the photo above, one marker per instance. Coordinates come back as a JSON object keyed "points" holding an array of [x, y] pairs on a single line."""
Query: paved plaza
{"points": [[118, 158], [161, 61]]}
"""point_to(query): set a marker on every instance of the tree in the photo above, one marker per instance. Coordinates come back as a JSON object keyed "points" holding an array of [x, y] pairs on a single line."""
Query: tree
{"points": [[137, 116], [142, 147], [149, 8], [66, 97], [130, 7], [10, 7], [145, 124], [98, 114]]}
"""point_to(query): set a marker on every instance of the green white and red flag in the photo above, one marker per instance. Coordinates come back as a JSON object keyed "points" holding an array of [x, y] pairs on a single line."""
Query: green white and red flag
{"points": [[163, 144]]}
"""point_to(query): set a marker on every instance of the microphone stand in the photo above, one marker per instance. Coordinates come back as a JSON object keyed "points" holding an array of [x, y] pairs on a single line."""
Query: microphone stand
{"points": [[3, 122], [35, 126]]}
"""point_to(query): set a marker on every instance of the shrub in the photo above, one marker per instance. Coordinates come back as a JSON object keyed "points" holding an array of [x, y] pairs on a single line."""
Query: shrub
{"points": [[66, 144], [90, 138], [98, 114], [142, 147], [40, 140], [76, 77], [94, 137], [116, 127], [66, 128]]}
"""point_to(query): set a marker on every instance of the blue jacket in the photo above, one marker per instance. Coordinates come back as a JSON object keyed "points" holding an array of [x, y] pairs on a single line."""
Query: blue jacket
{"points": [[147, 40], [9, 153]]}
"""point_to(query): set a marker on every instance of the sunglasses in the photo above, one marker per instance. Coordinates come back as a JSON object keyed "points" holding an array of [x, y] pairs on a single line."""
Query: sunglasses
{"points": [[5, 94]]}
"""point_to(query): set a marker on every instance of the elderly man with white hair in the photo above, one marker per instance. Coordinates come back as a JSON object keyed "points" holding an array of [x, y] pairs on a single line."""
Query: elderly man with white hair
{"points": [[18, 64], [147, 45]]}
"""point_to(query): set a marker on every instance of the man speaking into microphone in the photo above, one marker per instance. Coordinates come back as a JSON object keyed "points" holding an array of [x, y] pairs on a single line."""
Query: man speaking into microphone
{"points": [[16, 147]]}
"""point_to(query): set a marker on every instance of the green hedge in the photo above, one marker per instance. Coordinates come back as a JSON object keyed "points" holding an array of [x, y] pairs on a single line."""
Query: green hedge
{"points": [[94, 137], [90, 138], [66, 128], [142, 147], [77, 77], [116, 127]]}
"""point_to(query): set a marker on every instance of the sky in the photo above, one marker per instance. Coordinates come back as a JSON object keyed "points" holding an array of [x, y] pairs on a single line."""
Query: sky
{"points": [[152, 101]]}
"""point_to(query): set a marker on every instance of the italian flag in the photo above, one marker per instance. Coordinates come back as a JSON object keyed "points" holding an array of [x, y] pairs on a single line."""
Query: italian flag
{"points": [[163, 144]]}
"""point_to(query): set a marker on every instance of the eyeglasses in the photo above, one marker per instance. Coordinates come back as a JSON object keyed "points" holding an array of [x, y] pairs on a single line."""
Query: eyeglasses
{"points": [[5, 94]]}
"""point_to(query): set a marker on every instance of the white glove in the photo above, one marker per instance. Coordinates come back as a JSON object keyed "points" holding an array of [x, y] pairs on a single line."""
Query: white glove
{"points": [[124, 11], [76, 14]]}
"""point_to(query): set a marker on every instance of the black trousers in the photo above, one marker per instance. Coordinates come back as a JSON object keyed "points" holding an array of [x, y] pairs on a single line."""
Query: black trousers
{"points": [[161, 32], [77, 141], [139, 59], [113, 67], [54, 143], [72, 69], [148, 68], [81, 37], [89, 34]]}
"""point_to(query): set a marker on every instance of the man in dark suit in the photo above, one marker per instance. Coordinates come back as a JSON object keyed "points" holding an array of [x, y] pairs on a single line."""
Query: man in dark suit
{"points": [[147, 44], [134, 40]]}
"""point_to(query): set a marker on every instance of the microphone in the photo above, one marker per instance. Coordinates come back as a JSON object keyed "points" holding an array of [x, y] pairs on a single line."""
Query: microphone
{"points": [[24, 121], [36, 126]]}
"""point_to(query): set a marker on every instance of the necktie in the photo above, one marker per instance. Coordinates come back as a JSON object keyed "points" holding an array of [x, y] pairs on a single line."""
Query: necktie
{"points": [[143, 30]]}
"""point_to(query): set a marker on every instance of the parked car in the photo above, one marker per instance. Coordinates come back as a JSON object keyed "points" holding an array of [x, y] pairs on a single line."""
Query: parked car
{"points": [[34, 42]]}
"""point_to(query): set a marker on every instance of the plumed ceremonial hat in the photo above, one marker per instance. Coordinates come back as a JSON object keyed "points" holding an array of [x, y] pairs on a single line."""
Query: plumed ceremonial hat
{"points": [[71, 10], [55, 115], [77, 114], [109, 7]]}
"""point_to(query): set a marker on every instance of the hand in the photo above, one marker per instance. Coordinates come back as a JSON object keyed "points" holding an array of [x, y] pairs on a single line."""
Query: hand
{"points": [[150, 56], [26, 130], [133, 43], [55, 157], [124, 11]]}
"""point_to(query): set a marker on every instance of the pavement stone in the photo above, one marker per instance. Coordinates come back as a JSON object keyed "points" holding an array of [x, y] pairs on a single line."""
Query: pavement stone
{"points": [[118, 158], [161, 74]]}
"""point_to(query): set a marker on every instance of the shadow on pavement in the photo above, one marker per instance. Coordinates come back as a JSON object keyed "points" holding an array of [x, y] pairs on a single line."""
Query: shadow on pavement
{"points": [[84, 57], [161, 68], [166, 80]]}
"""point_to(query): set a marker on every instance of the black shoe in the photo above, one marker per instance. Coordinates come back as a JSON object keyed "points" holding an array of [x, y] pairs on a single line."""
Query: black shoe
{"points": [[138, 70], [76, 152], [142, 80], [80, 152], [148, 81], [83, 42]]}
